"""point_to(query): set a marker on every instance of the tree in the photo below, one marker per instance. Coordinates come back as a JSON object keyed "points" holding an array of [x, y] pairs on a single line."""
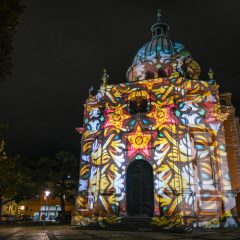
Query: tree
{"points": [[17, 181], [10, 12], [8, 176], [28, 184], [60, 173]]}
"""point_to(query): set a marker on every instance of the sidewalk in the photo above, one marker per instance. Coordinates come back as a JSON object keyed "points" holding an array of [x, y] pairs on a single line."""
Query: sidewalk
{"points": [[66, 232]]}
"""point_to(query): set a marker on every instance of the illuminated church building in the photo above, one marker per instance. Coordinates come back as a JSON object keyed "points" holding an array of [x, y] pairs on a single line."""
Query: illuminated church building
{"points": [[154, 146]]}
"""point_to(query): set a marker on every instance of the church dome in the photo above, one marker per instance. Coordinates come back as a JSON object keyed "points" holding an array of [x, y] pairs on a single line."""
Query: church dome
{"points": [[162, 57]]}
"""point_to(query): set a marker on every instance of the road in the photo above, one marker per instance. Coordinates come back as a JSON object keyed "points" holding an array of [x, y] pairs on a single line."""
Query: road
{"points": [[65, 232]]}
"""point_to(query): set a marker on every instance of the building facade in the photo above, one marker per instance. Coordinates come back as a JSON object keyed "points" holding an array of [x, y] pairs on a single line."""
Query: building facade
{"points": [[154, 146], [232, 138], [38, 206]]}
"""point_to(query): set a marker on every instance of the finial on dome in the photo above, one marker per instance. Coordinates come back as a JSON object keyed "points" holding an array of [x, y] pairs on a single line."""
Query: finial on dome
{"points": [[210, 73], [159, 28], [105, 77], [159, 15], [90, 92]]}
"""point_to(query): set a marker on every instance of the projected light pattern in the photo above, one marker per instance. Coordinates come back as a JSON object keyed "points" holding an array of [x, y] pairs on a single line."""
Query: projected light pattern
{"points": [[177, 126], [153, 60]]}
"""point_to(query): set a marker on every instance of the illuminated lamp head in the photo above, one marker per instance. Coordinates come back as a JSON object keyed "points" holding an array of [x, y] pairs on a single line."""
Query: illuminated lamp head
{"points": [[161, 57]]}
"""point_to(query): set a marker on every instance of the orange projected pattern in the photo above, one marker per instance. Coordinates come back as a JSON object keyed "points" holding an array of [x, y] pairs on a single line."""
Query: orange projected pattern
{"points": [[178, 128]]}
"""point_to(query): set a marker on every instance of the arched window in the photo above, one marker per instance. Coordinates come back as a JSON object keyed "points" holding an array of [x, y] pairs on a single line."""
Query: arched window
{"points": [[165, 72], [149, 75], [162, 73], [223, 102], [138, 105]]}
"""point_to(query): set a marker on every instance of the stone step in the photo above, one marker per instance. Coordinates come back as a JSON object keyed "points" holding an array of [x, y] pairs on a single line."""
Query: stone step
{"points": [[137, 224], [136, 221]]}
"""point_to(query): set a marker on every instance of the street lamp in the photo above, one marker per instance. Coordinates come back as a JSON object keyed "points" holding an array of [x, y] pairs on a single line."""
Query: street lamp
{"points": [[21, 208], [46, 194]]}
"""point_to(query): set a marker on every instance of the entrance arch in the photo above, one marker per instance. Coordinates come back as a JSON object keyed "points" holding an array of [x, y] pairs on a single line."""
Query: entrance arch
{"points": [[139, 186]]}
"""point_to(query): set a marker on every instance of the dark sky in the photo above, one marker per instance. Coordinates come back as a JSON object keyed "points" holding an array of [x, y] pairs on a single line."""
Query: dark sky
{"points": [[61, 46]]}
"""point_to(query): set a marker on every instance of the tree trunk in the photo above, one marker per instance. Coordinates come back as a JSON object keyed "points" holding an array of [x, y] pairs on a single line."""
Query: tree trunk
{"points": [[63, 214], [1, 205]]}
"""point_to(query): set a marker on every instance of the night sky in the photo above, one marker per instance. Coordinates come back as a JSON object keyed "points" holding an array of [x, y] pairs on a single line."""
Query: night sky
{"points": [[60, 48]]}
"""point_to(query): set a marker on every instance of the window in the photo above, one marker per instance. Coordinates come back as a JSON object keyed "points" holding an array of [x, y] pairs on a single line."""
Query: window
{"points": [[138, 105], [223, 102], [149, 75], [165, 72], [162, 73]]}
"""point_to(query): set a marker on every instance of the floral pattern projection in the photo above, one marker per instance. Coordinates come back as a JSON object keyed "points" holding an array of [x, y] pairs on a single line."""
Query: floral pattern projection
{"points": [[181, 135]]}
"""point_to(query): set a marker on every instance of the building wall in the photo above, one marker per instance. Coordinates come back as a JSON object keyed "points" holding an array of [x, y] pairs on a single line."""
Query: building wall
{"points": [[182, 136], [36, 206], [232, 133], [9, 208]]}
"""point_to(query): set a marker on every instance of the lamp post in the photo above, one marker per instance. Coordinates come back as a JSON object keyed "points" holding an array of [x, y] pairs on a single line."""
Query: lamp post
{"points": [[46, 194]]}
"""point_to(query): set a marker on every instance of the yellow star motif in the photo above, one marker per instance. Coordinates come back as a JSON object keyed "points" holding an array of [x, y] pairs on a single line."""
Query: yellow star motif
{"points": [[139, 141], [160, 115], [116, 118]]}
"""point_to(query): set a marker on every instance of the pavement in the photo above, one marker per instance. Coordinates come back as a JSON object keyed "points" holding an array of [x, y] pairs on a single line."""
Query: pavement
{"points": [[66, 232]]}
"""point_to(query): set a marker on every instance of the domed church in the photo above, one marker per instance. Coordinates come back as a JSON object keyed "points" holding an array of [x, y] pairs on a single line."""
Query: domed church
{"points": [[154, 146]]}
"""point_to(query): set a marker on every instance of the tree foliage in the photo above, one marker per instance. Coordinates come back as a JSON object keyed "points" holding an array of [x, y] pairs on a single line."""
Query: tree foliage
{"points": [[17, 181], [28, 184], [10, 12], [8, 175]]}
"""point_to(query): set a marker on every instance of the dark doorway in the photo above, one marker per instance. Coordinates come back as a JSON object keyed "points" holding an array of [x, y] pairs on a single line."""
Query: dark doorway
{"points": [[140, 199]]}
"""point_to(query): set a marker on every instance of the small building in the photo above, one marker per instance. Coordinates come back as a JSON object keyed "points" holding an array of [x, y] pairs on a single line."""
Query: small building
{"points": [[38, 206]]}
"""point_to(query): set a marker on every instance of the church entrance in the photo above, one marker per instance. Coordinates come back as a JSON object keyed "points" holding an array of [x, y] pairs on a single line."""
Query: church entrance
{"points": [[140, 200]]}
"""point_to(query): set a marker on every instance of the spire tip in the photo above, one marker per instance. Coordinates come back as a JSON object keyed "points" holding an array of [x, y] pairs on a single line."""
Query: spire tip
{"points": [[159, 14]]}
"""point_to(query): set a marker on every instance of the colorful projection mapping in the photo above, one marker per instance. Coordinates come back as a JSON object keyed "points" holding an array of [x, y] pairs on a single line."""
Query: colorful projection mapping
{"points": [[155, 146]]}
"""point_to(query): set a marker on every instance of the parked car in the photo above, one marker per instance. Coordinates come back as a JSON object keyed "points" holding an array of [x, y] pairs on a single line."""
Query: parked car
{"points": [[25, 218], [4, 218], [67, 217], [8, 218]]}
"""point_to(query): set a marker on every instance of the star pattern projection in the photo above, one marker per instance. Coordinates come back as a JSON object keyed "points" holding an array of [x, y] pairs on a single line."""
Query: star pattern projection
{"points": [[162, 116], [115, 118], [139, 143]]}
